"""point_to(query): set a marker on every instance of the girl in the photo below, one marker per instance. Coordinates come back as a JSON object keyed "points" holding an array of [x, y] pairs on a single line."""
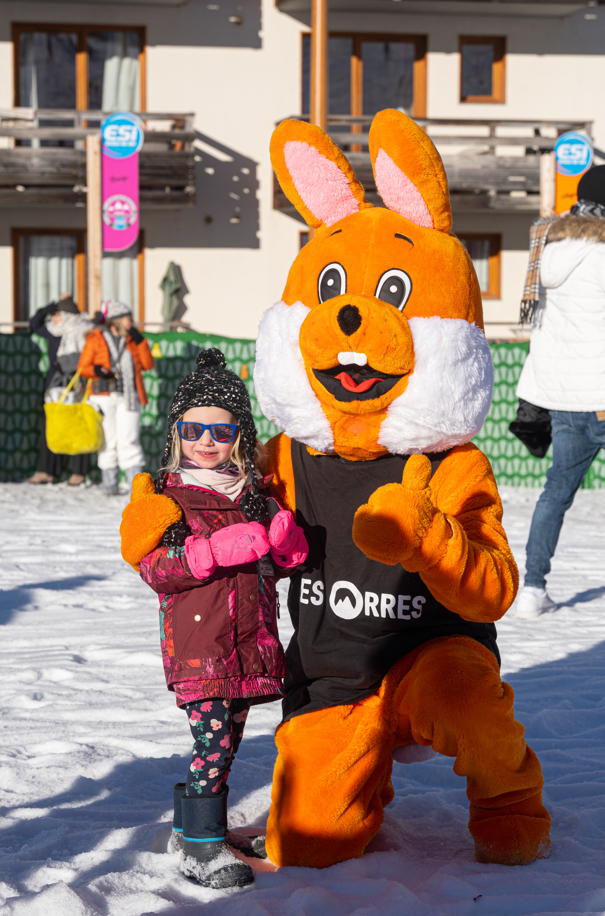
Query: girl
{"points": [[114, 357], [215, 577]]}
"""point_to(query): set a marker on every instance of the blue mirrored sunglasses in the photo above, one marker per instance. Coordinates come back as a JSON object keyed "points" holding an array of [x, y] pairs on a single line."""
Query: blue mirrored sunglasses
{"points": [[220, 432]]}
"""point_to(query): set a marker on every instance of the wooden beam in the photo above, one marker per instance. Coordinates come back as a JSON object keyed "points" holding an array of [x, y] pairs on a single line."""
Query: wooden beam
{"points": [[319, 63], [93, 221], [547, 184]]}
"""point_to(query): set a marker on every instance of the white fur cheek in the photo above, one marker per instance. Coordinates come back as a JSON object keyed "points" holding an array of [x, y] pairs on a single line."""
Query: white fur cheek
{"points": [[280, 381], [449, 393]]}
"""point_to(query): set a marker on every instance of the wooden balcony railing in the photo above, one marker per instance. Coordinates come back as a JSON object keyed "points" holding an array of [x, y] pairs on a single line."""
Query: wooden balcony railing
{"points": [[490, 164], [43, 158]]}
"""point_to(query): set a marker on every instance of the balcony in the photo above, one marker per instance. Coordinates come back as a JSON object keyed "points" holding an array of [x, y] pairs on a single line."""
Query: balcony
{"points": [[491, 165], [40, 174]]}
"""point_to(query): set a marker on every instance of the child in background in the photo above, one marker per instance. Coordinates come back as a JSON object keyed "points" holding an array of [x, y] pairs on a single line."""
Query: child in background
{"points": [[215, 578]]}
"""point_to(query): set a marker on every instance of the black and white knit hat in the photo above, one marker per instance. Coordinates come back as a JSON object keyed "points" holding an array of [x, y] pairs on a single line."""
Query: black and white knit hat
{"points": [[211, 384]]}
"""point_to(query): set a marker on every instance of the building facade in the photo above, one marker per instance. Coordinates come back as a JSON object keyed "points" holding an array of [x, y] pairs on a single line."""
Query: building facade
{"points": [[213, 78]]}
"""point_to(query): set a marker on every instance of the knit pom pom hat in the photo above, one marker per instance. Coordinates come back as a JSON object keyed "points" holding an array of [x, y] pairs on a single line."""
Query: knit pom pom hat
{"points": [[211, 384]]}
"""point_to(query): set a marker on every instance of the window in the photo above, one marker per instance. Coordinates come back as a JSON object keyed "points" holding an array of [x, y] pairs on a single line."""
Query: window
{"points": [[484, 250], [50, 262], [368, 72], [47, 263], [482, 69], [82, 67], [303, 238]]}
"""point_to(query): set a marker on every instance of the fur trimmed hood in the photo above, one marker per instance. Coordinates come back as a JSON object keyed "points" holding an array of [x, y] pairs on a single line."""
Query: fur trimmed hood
{"points": [[589, 228]]}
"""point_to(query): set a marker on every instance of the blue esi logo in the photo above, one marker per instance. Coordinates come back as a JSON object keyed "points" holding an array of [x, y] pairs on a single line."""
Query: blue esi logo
{"points": [[573, 153], [122, 135]]}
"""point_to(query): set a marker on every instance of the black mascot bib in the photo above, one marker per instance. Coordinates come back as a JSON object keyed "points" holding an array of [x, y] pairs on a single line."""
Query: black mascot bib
{"points": [[353, 618]]}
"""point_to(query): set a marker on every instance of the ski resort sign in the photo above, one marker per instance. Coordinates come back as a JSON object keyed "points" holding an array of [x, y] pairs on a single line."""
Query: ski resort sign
{"points": [[121, 139]]}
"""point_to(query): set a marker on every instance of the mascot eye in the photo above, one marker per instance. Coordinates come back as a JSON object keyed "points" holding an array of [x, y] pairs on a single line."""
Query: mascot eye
{"points": [[394, 287], [332, 282]]}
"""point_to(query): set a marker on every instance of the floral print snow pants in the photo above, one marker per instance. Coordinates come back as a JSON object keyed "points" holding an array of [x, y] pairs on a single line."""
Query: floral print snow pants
{"points": [[217, 727]]}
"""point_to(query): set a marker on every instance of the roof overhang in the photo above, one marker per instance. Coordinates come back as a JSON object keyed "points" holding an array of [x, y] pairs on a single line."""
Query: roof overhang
{"points": [[545, 8]]}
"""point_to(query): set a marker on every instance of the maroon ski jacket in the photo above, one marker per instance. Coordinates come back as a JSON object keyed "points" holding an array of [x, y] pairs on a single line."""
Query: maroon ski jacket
{"points": [[223, 627]]}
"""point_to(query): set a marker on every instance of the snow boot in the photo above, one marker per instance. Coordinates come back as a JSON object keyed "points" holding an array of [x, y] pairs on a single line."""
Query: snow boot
{"points": [[76, 480], [41, 477], [131, 474], [206, 857], [532, 602], [175, 843], [109, 481], [251, 846]]}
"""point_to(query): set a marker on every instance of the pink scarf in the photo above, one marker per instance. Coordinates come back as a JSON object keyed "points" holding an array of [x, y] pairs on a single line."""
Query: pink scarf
{"points": [[228, 481]]}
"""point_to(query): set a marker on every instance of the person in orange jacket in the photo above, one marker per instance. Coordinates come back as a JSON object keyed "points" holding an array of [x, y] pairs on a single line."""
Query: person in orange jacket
{"points": [[114, 357]]}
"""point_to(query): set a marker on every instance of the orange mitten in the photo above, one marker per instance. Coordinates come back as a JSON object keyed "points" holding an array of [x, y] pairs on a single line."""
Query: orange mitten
{"points": [[400, 524], [145, 519]]}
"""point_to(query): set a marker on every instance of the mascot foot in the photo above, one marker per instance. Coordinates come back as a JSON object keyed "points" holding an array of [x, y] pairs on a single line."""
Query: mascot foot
{"points": [[514, 835]]}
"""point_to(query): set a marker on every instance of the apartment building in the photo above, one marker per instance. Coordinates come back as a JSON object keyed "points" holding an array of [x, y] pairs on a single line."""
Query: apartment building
{"points": [[494, 82]]}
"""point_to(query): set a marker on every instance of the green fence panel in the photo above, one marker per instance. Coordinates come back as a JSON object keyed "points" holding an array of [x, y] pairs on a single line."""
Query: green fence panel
{"points": [[175, 353], [23, 363]]}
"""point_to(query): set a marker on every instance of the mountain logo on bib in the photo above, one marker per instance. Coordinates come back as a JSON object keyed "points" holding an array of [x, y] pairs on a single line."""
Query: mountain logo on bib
{"points": [[346, 600]]}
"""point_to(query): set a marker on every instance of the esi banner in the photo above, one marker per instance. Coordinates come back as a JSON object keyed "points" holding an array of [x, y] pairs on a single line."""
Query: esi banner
{"points": [[121, 139], [573, 157]]}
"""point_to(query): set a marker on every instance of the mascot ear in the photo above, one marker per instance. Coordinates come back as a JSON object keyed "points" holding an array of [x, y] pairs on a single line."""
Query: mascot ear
{"points": [[409, 172], [315, 176]]}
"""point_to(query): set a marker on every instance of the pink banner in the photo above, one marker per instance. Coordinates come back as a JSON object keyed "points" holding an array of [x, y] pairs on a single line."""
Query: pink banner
{"points": [[120, 191]]}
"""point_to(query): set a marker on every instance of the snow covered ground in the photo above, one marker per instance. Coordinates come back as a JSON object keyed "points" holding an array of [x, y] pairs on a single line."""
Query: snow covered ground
{"points": [[92, 743]]}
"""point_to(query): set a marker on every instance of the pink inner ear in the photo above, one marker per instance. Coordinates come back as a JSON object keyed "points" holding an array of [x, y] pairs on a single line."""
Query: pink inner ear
{"points": [[398, 192], [324, 188]]}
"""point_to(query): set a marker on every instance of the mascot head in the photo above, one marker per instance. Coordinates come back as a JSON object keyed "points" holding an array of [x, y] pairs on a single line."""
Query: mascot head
{"points": [[377, 345]]}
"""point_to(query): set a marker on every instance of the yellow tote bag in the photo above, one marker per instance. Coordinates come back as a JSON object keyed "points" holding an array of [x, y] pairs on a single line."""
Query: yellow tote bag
{"points": [[73, 429]]}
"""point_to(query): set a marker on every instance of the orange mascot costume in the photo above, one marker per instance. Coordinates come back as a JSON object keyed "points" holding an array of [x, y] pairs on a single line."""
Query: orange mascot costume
{"points": [[376, 367]]}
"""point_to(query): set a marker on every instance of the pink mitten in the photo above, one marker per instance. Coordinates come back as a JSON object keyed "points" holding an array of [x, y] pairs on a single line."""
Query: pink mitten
{"points": [[288, 543], [241, 543], [198, 553], [245, 542]]}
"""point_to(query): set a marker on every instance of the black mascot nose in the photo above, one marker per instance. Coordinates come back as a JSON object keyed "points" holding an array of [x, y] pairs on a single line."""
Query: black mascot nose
{"points": [[349, 319]]}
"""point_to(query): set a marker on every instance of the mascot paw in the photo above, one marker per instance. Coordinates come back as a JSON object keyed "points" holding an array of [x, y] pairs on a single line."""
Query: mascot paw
{"points": [[515, 835], [400, 524], [145, 519]]}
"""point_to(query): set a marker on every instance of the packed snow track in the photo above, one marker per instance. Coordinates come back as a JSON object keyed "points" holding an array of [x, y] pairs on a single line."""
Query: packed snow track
{"points": [[92, 743]]}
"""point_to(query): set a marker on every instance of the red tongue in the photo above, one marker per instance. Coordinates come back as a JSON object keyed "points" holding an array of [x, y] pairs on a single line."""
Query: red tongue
{"points": [[347, 382]]}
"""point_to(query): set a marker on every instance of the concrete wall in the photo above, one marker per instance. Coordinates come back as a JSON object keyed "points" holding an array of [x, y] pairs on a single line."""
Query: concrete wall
{"points": [[240, 79]]}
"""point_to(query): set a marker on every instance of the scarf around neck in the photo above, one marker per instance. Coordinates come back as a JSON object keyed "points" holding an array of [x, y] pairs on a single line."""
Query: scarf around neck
{"points": [[531, 293], [587, 208], [226, 479], [123, 366], [72, 331], [538, 237]]}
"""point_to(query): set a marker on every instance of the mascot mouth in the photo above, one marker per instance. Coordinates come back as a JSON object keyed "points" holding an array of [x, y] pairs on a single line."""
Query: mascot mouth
{"points": [[356, 383]]}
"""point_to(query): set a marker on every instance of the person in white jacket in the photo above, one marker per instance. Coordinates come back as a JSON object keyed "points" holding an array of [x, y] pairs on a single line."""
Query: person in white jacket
{"points": [[565, 372]]}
